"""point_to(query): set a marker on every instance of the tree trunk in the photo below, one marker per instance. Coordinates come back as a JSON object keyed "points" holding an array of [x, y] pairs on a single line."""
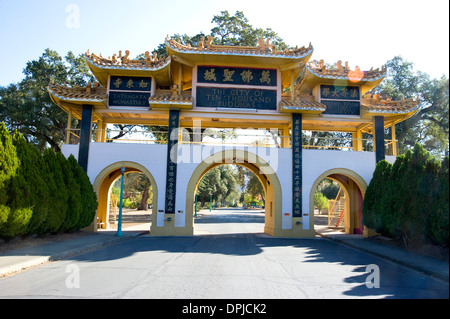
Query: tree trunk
{"points": [[144, 201]]}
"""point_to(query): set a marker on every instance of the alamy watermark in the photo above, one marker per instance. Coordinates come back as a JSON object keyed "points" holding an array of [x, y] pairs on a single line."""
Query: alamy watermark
{"points": [[73, 279], [197, 152], [73, 16], [373, 279]]}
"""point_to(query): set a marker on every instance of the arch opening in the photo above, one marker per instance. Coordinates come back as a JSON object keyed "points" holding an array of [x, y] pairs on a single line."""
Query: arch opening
{"points": [[262, 171], [352, 191], [230, 198], [103, 186]]}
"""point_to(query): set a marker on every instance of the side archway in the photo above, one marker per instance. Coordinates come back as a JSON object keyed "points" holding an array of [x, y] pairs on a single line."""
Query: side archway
{"points": [[354, 187], [263, 171], [104, 181]]}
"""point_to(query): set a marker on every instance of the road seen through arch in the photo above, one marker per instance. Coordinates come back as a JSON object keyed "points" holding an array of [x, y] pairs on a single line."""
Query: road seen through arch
{"points": [[229, 221]]}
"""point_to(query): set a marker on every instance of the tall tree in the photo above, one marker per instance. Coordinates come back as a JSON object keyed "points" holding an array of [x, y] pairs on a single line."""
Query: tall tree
{"points": [[27, 107], [217, 184], [236, 30], [430, 126], [230, 30]]}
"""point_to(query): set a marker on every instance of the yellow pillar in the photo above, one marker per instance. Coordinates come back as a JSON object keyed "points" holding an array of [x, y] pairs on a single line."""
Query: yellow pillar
{"points": [[292, 85], [357, 141], [98, 136], [69, 127], [103, 139], [394, 140], [285, 138], [180, 79]]}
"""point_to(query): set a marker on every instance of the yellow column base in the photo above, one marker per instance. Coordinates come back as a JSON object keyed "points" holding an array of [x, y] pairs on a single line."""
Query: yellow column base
{"points": [[368, 232]]}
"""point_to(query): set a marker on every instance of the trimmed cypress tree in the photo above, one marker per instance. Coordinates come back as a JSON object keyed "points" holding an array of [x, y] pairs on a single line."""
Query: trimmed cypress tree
{"points": [[376, 190], [400, 203], [8, 156], [8, 167], [55, 181], [32, 171], [411, 203], [74, 197], [88, 196], [439, 219], [19, 201]]}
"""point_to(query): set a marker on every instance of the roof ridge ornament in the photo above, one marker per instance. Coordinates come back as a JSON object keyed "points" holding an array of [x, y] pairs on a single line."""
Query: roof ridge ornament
{"points": [[344, 71], [263, 48]]}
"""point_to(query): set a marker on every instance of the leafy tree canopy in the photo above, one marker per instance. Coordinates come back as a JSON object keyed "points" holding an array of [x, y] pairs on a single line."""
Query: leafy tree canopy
{"points": [[430, 126]]}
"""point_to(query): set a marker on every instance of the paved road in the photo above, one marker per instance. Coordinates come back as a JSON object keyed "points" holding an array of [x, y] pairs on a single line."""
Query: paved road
{"points": [[225, 265]]}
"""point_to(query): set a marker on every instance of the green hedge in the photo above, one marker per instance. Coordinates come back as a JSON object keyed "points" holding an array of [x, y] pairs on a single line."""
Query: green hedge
{"points": [[409, 200], [41, 194]]}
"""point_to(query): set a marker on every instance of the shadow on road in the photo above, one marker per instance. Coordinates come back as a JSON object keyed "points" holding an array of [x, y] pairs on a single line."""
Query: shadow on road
{"points": [[292, 254]]}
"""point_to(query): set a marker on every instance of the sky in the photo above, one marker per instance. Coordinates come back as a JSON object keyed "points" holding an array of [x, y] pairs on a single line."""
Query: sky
{"points": [[364, 33]]}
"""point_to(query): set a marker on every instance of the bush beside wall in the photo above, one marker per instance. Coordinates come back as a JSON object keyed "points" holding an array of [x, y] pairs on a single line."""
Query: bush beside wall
{"points": [[409, 200], [41, 194]]}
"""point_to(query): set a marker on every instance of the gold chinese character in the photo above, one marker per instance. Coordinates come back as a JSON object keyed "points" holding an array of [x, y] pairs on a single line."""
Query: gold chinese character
{"points": [[344, 92], [247, 76], [326, 92], [143, 84], [210, 75], [227, 74], [130, 84], [335, 92], [354, 93], [265, 77], [117, 83]]}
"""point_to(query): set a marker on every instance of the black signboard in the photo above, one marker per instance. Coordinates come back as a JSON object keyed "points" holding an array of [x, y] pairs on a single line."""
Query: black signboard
{"points": [[341, 100], [172, 151], [239, 76], [332, 92], [130, 83], [128, 99], [129, 91], [342, 107], [297, 165], [236, 98]]}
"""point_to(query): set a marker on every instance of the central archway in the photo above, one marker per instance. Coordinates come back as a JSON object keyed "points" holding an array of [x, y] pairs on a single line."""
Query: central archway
{"points": [[262, 170]]}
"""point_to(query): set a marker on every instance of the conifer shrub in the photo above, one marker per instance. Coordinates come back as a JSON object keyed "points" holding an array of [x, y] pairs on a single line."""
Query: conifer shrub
{"points": [[408, 201], [72, 186], [32, 171], [88, 197], [59, 193], [21, 209], [41, 194], [373, 211], [439, 220], [8, 167]]}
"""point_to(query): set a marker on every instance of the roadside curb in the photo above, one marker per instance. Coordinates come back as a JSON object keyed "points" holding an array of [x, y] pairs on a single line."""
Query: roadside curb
{"points": [[92, 247], [25, 262], [415, 266]]}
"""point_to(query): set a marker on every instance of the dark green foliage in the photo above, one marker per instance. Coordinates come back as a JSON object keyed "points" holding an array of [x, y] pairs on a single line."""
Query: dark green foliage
{"points": [[439, 221], [59, 205], [32, 172], [409, 200], [21, 210], [41, 193], [17, 200], [8, 159], [8, 167], [88, 197], [73, 195], [373, 211]]}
